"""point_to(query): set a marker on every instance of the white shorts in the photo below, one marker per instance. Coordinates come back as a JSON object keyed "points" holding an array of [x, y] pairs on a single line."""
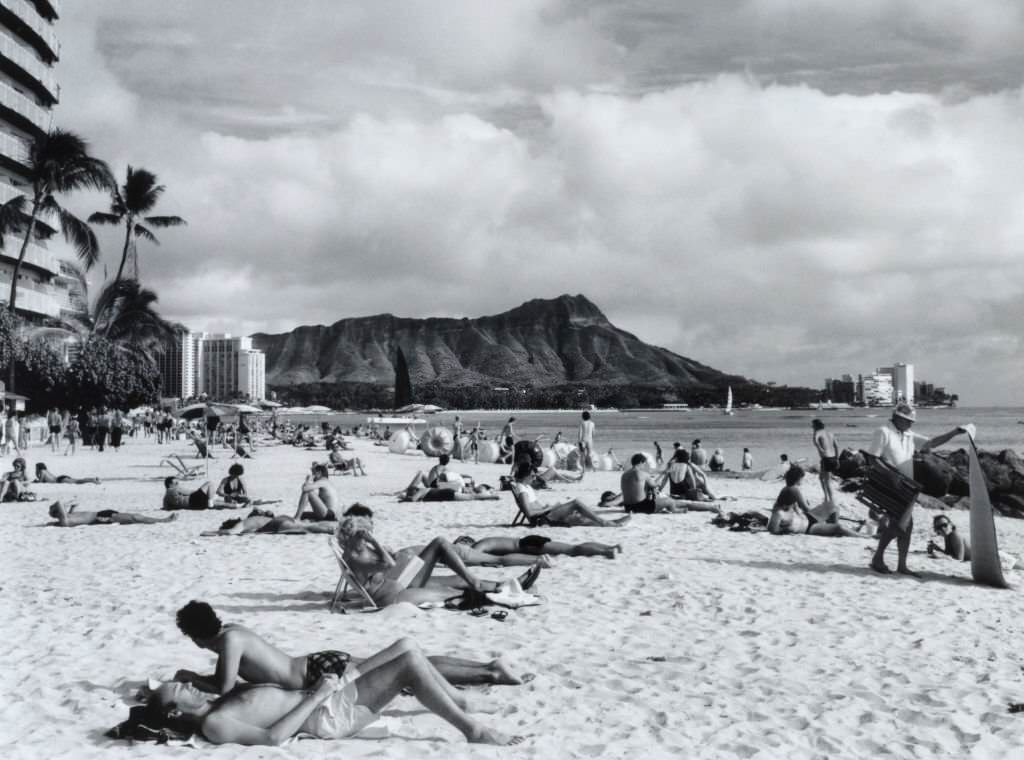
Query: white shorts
{"points": [[339, 716]]}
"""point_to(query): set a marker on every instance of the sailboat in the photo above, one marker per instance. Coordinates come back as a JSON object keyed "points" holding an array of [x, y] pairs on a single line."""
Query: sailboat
{"points": [[728, 402]]}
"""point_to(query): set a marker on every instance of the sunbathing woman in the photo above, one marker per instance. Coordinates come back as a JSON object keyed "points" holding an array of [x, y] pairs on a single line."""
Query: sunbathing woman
{"points": [[566, 514], [260, 521], [417, 491], [43, 475], [343, 462], [14, 485], [790, 514], [686, 481], [70, 518], [406, 576], [507, 551]]}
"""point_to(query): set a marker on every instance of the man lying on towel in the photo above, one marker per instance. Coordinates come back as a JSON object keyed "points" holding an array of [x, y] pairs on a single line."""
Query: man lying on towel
{"points": [[333, 708]]}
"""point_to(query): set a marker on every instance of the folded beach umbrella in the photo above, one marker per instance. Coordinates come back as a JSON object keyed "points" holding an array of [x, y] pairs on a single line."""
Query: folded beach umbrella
{"points": [[437, 441]]}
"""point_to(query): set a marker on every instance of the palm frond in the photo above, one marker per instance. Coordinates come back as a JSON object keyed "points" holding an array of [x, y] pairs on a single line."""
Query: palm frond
{"points": [[141, 191], [166, 221], [100, 217], [142, 232], [81, 237]]}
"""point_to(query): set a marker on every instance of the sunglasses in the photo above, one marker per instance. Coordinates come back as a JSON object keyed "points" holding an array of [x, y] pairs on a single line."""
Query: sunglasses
{"points": [[941, 525]]}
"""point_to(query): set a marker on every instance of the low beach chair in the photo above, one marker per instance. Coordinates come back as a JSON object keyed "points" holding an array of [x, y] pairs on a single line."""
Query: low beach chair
{"points": [[364, 602], [185, 472], [523, 517], [888, 492]]}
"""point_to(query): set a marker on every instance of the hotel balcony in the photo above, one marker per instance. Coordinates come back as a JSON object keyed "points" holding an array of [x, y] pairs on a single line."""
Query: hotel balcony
{"points": [[15, 149], [34, 115], [15, 54], [35, 255], [35, 301], [45, 38], [8, 191]]}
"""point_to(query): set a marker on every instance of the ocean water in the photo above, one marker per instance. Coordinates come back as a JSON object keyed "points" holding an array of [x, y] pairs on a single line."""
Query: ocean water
{"points": [[766, 432]]}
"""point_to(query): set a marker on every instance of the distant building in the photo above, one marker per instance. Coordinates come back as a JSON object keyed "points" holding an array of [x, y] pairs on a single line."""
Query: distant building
{"points": [[903, 383], [178, 366], [841, 391], [28, 92], [228, 367], [878, 388]]}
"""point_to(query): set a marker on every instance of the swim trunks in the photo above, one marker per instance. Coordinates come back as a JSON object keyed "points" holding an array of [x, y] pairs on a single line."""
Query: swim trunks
{"points": [[439, 494], [829, 464], [311, 516], [103, 517], [533, 544], [339, 715], [198, 500], [54, 428], [321, 663], [648, 506]]}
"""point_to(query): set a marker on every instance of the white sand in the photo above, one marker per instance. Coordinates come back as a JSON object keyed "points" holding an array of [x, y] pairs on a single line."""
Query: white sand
{"points": [[696, 642]]}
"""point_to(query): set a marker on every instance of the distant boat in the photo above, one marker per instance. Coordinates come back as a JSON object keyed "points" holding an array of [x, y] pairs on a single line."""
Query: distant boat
{"points": [[728, 402]]}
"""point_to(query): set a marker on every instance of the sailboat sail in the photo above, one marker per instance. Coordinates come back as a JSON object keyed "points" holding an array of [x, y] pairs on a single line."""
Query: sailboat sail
{"points": [[728, 401]]}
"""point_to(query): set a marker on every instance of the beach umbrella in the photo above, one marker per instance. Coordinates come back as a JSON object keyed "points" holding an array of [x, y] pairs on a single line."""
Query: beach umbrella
{"points": [[437, 441]]}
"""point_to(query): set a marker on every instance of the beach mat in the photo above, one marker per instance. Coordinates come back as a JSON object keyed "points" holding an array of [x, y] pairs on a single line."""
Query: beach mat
{"points": [[986, 568]]}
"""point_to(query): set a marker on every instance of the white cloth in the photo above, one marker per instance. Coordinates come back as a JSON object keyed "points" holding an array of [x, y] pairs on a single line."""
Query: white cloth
{"points": [[896, 448], [339, 715]]}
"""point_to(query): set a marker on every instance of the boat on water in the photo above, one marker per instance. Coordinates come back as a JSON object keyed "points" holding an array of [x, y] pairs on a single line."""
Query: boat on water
{"points": [[728, 403]]}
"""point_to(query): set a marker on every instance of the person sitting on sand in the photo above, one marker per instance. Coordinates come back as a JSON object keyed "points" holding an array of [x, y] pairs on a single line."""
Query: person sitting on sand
{"points": [[14, 485], [268, 715], [406, 576], [454, 491], [244, 654], [717, 461], [177, 496], [72, 517], [201, 448], [43, 475], [686, 481], [232, 488], [954, 545], [263, 521], [345, 462], [790, 513], [318, 495], [566, 514], [698, 455], [640, 491]]}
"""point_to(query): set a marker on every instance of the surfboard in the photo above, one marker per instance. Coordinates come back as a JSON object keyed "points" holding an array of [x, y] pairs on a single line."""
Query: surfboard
{"points": [[986, 568]]}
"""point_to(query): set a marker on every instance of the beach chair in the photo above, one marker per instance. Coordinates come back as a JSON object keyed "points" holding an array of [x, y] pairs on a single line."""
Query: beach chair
{"points": [[364, 602], [522, 516], [886, 491], [184, 471]]}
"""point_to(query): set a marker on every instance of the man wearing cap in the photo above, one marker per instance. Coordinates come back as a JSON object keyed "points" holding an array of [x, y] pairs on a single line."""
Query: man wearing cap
{"points": [[894, 444]]}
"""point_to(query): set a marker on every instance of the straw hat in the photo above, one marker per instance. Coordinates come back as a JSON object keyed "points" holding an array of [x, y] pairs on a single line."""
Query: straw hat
{"points": [[906, 412]]}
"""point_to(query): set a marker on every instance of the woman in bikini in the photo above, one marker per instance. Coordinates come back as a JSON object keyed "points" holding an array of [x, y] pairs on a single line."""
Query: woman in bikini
{"points": [[684, 480], [232, 488], [790, 513], [14, 486], [406, 576], [566, 514]]}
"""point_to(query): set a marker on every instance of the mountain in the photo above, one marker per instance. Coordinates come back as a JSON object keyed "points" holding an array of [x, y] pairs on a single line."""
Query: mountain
{"points": [[543, 342]]}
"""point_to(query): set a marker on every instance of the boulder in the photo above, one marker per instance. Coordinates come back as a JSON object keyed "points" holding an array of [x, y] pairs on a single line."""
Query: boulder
{"points": [[934, 474], [852, 464]]}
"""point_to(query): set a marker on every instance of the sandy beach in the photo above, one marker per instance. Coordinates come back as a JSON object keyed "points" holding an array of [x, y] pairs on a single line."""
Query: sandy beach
{"points": [[695, 642]]}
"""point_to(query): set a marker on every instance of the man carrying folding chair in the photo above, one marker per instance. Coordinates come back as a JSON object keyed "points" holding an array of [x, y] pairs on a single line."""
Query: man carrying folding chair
{"points": [[895, 445]]}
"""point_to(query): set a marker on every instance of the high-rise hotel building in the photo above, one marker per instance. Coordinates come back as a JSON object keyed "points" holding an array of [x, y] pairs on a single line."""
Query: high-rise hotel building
{"points": [[221, 366], [28, 93]]}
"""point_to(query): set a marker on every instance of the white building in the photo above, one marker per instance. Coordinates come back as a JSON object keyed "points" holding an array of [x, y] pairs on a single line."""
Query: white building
{"points": [[227, 367], [28, 93], [178, 367], [903, 383], [878, 388]]}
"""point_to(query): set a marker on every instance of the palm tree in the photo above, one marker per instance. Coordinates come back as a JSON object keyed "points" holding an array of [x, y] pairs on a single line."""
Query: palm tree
{"points": [[123, 313], [59, 162], [130, 203]]}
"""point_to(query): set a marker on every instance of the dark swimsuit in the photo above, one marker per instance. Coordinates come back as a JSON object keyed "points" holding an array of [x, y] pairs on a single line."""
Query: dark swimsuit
{"points": [[533, 544], [648, 506], [321, 663], [829, 464], [198, 500]]}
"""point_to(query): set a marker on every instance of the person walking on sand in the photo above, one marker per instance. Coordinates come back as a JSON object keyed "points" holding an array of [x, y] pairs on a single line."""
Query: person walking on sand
{"points": [[12, 433], [53, 424], [507, 432], [895, 445], [585, 440], [748, 460], [828, 452]]}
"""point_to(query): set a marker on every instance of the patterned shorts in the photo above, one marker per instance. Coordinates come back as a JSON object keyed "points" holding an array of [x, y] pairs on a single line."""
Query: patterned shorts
{"points": [[321, 663]]}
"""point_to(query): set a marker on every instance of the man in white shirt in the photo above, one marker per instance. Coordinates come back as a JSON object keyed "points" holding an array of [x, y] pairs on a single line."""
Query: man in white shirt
{"points": [[894, 444]]}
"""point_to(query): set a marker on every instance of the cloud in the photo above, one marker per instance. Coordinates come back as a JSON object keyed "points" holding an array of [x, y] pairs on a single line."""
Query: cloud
{"points": [[434, 162]]}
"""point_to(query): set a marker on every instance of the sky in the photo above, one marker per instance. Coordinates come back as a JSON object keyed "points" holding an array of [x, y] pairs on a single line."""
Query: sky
{"points": [[784, 189]]}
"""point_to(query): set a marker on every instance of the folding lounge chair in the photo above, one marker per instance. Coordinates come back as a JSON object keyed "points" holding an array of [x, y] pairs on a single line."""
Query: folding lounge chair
{"points": [[522, 516], [347, 579], [887, 491], [185, 472]]}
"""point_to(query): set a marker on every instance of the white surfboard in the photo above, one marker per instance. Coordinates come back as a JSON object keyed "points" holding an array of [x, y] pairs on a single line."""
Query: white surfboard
{"points": [[985, 565]]}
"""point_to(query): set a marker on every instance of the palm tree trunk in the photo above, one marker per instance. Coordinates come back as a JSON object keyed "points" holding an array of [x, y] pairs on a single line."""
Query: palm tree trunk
{"points": [[124, 252], [14, 282]]}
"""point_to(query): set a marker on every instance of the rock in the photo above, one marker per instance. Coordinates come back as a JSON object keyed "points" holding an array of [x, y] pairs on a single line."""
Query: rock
{"points": [[930, 502], [933, 473], [1009, 504], [1009, 458]]}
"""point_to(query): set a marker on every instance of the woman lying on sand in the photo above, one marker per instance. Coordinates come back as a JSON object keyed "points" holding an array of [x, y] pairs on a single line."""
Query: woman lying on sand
{"points": [[71, 518], [259, 521], [43, 475], [567, 514], [406, 576], [790, 514], [266, 714], [417, 491]]}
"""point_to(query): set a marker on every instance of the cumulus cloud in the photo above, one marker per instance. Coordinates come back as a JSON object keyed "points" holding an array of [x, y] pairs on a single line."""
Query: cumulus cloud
{"points": [[434, 161]]}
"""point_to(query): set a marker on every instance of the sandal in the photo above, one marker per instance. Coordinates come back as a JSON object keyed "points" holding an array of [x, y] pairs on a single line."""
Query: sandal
{"points": [[501, 615]]}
